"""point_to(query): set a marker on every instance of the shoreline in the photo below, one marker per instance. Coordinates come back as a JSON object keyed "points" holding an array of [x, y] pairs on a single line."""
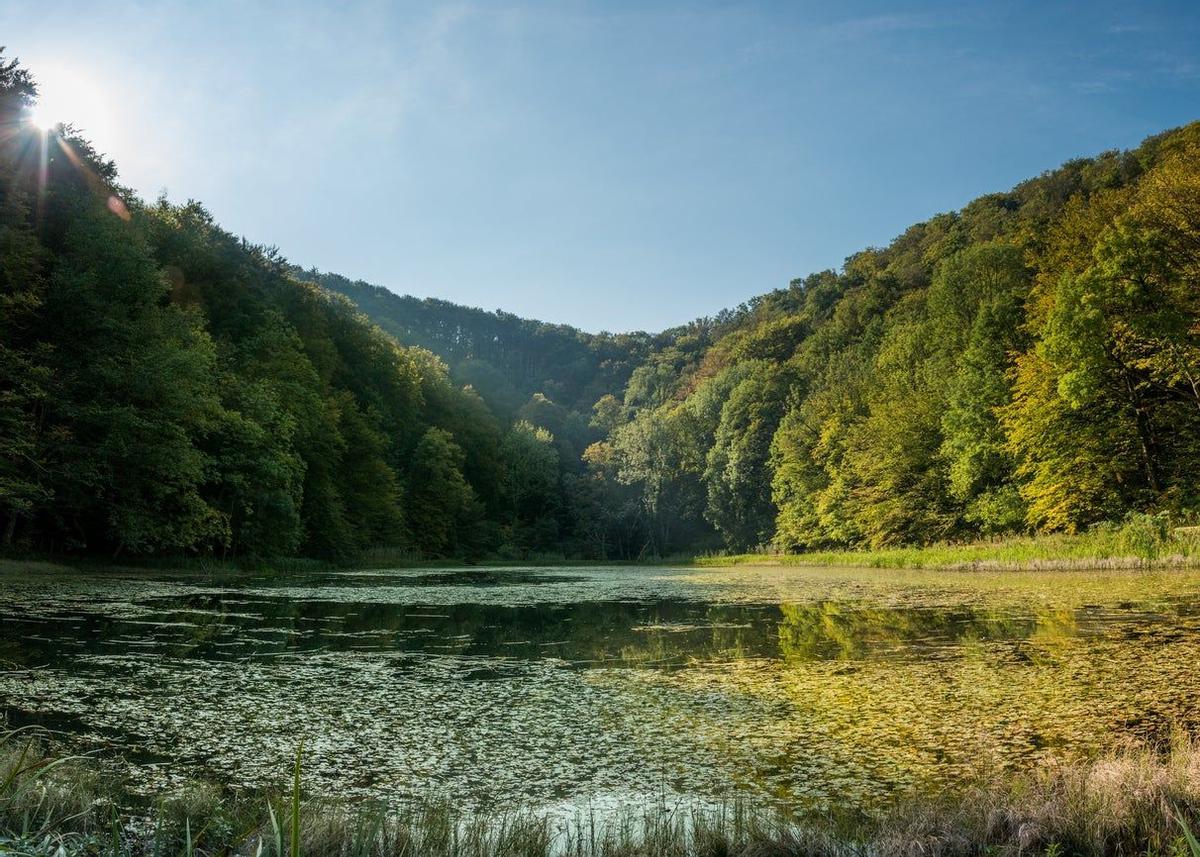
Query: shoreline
{"points": [[1106, 548], [1133, 546], [871, 560]]}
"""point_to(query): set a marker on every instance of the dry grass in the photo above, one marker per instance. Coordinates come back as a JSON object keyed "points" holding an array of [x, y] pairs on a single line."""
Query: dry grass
{"points": [[1125, 803]]}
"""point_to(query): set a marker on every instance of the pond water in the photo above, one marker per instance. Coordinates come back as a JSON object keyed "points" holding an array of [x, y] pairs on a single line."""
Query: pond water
{"points": [[495, 687]]}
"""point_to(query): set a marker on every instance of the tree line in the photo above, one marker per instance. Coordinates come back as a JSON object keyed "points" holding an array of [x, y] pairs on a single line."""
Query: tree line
{"points": [[1028, 363]]}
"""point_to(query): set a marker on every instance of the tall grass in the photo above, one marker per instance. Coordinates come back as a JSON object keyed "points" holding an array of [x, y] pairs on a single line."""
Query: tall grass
{"points": [[1140, 801], [1192, 843], [47, 803], [1140, 541]]}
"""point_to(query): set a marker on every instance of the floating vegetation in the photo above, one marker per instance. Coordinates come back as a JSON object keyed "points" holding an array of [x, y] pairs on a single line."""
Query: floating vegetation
{"points": [[798, 688]]}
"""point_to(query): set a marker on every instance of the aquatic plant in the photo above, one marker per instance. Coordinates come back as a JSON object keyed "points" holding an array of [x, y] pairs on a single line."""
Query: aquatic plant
{"points": [[294, 851]]}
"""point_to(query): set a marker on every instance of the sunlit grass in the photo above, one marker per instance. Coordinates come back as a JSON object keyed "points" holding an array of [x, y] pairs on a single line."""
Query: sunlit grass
{"points": [[1140, 542]]}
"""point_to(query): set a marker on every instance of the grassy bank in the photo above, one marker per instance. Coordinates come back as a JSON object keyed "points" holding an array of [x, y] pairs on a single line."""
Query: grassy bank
{"points": [[1142, 541], [1140, 801]]}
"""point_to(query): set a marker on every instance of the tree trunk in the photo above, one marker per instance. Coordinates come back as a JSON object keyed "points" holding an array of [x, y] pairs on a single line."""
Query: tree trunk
{"points": [[1145, 437]]}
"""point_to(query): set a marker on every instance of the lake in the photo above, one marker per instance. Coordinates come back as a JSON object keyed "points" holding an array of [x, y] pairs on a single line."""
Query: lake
{"points": [[554, 686]]}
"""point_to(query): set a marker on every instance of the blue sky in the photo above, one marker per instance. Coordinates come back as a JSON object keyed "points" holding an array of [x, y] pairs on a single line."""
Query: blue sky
{"points": [[610, 165]]}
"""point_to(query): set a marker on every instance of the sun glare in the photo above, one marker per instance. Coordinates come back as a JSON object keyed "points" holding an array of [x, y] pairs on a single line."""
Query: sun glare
{"points": [[41, 119], [66, 95]]}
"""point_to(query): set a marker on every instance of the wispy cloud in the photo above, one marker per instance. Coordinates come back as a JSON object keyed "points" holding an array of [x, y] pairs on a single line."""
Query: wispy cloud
{"points": [[854, 29], [1126, 29]]}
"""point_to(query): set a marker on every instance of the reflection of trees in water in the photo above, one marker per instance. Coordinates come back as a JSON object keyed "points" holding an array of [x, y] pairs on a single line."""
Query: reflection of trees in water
{"points": [[206, 626], [835, 630], [1055, 625], [668, 632], [832, 630]]}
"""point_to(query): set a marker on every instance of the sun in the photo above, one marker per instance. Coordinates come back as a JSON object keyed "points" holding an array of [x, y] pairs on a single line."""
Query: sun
{"points": [[42, 119], [66, 96]]}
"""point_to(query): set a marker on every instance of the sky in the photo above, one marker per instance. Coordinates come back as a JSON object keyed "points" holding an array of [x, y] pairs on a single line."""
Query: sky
{"points": [[611, 165]]}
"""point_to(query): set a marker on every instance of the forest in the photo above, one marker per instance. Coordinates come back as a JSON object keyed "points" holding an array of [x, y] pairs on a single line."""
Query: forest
{"points": [[1030, 363]]}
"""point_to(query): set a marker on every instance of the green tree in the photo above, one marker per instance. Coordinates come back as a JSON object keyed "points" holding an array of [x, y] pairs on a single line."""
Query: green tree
{"points": [[137, 394], [531, 486], [736, 471], [442, 509], [987, 285]]}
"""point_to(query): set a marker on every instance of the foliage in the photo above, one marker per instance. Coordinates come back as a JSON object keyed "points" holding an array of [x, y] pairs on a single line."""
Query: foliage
{"points": [[1143, 540], [1146, 536]]}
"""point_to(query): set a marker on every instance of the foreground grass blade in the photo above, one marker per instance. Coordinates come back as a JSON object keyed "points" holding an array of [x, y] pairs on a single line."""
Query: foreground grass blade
{"points": [[278, 852], [295, 844], [1193, 844], [17, 769]]}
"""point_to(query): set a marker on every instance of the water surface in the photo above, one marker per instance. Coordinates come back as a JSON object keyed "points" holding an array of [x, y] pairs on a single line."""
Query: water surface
{"points": [[537, 686]]}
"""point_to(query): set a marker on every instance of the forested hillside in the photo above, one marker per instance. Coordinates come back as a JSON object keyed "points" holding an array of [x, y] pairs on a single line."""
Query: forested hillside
{"points": [[1027, 363], [1030, 362], [506, 358]]}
